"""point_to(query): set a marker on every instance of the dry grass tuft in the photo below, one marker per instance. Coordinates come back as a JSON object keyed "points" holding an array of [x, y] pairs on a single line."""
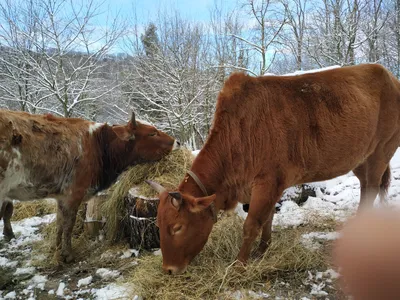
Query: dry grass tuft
{"points": [[212, 273], [169, 171], [35, 208]]}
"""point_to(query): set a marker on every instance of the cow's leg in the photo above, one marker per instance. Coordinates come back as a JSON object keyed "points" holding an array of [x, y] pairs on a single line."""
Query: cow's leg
{"points": [[68, 214], [8, 212], [361, 174], [377, 164], [60, 225], [265, 235], [263, 198]]}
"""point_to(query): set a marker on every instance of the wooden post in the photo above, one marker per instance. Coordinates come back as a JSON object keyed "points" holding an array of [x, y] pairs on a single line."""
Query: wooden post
{"points": [[94, 220]]}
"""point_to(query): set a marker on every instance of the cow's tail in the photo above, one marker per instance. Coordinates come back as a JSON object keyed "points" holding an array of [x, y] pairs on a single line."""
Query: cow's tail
{"points": [[384, 187]]}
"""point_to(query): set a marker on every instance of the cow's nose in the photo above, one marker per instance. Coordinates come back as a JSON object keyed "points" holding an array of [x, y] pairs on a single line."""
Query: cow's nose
{"points": [[170, 270]]}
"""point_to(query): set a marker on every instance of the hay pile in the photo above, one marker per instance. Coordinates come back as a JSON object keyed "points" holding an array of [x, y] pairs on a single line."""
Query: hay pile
{"points": [[169, 171], [212, 273], [35, 208]]}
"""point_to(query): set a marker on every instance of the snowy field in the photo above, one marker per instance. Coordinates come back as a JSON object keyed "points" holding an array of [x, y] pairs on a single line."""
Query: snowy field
{"points": [[337, 198]]}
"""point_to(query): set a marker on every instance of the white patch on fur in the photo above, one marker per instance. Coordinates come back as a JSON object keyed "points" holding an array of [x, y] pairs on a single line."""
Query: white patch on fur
{"points": [[176, 145], [94, 126], [14, 175]]}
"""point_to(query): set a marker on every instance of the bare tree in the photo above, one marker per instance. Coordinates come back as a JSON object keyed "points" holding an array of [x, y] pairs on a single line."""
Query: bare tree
{"points": [[296, 14], [335, 34], [231, 54], [264, 33], [56, 55], [170, 81]]}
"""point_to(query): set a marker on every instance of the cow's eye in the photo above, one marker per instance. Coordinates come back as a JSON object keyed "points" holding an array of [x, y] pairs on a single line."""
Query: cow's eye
{"points": [[153, 134], [176, 229]]}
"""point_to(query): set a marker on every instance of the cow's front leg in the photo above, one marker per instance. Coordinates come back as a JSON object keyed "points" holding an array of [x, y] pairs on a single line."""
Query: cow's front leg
{"points": [[264, 196], [7, 214]]}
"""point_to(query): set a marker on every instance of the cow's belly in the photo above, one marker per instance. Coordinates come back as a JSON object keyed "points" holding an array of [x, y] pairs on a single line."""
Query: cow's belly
{"points": [[16, 182]]}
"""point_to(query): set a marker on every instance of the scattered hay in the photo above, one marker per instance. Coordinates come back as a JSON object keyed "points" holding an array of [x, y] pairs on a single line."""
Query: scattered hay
{"points": [[81, 242], [37, 208], [169, 171], [212, 273]]}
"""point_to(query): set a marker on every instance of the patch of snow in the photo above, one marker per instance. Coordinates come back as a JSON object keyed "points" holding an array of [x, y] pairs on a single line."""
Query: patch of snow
{"points": [[85, 281], [157, 252], [240, 212], [310, 240], [26, 230], [290, 215], [107, 274], [195, 152], [128, 253], [236, 295], [259, 295], [23, 271], [5, 262], [111, 291], [317, 289], [38, 281], [60, 290], [51, 292], [299, 72], [11, 295]]}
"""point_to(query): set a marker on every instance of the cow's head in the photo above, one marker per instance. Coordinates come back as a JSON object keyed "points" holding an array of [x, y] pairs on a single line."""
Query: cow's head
{"points": [[149, 143], [185, 223]]}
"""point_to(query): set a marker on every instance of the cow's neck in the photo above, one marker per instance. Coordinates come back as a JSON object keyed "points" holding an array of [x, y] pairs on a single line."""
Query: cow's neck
{"points": [[211, 168], [114, 153]]}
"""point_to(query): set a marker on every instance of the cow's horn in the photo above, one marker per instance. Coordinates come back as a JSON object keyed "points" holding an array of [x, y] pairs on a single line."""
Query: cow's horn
{"points": [[133, 119], [156, 186]]}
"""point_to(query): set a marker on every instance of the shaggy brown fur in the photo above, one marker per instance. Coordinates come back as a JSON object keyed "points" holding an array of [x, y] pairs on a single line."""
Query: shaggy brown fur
{"points": [[69, 159], [272, 132]]}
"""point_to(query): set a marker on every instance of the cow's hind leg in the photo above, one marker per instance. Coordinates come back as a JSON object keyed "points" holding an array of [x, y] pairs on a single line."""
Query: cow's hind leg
{"points": [[65, 225], [7, 214], [265, 236], [374, 176], [263, 198], [361, 174], [60, 225]]}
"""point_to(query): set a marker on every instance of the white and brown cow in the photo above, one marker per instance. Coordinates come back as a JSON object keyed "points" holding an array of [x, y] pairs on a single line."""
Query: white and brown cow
{"points": [[70, 160]]}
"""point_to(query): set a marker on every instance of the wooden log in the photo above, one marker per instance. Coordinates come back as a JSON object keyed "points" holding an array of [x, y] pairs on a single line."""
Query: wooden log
{"points": [[140, 227]]}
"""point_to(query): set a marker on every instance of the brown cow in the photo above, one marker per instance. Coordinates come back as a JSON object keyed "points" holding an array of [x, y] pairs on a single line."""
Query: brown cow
{"points": [[273, 132], [70, 160]]}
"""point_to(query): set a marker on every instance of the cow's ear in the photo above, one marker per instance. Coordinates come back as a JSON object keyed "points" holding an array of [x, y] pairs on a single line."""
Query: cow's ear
{"points": [[123, 133], [202, 203]]}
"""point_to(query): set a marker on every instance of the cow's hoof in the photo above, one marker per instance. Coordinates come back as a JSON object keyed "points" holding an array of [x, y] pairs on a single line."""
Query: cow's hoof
{"points": [[239, 266], [8, 237], [67, 258], [63, 257]]}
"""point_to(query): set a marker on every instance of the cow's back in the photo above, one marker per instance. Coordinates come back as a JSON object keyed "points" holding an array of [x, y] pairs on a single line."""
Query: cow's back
{"points": [[314, 126], [38, 153]]}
